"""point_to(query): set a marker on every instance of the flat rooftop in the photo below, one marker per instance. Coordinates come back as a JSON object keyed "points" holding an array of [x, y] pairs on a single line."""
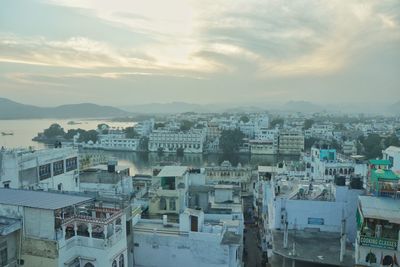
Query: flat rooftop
{"points": [[9, 225], [172, 171], [380, 208], [39, 199], [315, 247]]}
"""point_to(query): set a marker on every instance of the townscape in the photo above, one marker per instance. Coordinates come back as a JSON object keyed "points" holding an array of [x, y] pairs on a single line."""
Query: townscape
{"points": [[332, 197]]}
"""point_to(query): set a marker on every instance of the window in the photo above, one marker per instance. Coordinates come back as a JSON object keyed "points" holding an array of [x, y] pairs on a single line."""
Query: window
{"points": [[114, 264], [44, 171], [121, 260], [58, 167], [88, 265], [71, 164], [3, 254], [172, 204], [163, 204]]}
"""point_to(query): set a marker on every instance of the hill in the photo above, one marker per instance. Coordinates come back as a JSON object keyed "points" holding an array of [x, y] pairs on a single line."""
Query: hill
{"points": [[12, 110]]}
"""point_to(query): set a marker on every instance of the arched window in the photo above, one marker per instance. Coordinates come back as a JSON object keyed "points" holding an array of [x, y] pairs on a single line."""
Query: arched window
{"points": [[88, 264], [121, 260], [114, 264], [371, 258], [388, 260]]}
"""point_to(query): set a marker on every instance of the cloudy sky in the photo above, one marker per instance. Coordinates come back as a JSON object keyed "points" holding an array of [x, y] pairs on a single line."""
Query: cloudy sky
{"points": [[210, 51]]}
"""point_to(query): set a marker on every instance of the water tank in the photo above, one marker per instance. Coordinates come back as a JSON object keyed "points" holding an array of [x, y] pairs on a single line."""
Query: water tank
{"points": [[356, 182], [111, 165], [340, 180]]}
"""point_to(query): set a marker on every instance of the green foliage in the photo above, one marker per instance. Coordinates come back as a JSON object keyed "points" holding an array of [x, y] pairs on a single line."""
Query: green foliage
{"points": [[84, 136], [90, 135], [392, 140], [244, 119], [144, 143], [130, 132], [308, 123], [179, 152], [277, 121], [309, 142], [372, 146], [186, 125], [159, 125], [53, 131], [231, 140], [103, 128]]}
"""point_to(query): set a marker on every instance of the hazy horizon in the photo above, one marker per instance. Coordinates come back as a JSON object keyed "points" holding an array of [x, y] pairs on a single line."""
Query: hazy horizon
{"points": [[121, 53]]}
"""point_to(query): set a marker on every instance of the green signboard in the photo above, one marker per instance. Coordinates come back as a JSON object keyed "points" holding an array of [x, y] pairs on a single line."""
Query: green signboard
{"points": [[378, 242]]}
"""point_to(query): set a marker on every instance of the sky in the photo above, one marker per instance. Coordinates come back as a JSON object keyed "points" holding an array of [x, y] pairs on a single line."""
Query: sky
{"points": [[129, 52]]}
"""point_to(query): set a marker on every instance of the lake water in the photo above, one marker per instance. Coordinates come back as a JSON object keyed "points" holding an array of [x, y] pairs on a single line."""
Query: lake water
{"points": [[25, 130]]}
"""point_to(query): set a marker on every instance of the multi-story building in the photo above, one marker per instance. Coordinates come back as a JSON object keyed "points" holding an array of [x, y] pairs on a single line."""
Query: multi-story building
{"points": [[107, 180], [169, 191], [65, 230], [117, 141], [144, 128], [213, 131], [264, 147], [199, 239], [378, 220], [349, 148], [291, 143], [296, 213], [392, 154], [56, 169], [170, 141], [324, 164], [10, 233], [226, 173]]}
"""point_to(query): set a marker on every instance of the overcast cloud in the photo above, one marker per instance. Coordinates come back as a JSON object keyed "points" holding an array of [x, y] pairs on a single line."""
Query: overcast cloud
{"points": [[208, 51]]}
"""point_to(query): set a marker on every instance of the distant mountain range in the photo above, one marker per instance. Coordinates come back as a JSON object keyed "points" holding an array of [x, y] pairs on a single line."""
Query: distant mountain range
{"points": [[13, 110]]}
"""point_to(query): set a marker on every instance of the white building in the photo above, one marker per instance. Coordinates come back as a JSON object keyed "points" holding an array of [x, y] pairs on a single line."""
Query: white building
{"points": [[392, 154], [197, 240], [170, 141], [324, 164], [117, 141], [263, 147], [144, 128], [107, 180], [10, 232], [378, 235], [56, 169], [291, 142], [65, 230]]}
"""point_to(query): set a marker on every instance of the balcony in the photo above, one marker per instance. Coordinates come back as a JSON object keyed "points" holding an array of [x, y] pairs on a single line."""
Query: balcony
{"points": [[102, 230]]}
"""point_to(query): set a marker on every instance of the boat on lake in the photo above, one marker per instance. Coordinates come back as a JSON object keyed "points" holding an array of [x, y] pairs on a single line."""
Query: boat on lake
{"points": [[7, 133]]}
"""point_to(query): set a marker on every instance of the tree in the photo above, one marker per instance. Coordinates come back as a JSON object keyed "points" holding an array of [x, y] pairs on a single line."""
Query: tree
{"points": [[86, 136], [180, 151], [130, 132], [159, 125], [53, 131], [244, 119], [144, 143], [309, 142], [186, 125], [372, 146], [231, 140], [392, 140], [72, 132], [277, 121], [308, 123], [103, 128]]}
